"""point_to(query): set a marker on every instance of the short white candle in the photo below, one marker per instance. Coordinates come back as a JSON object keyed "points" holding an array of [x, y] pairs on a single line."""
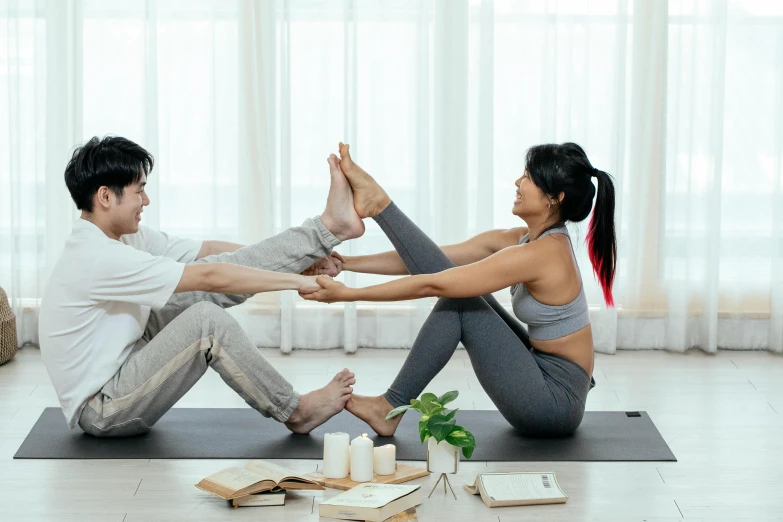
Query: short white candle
{"points": [[336, 455], [361, 459], [384, 461]]}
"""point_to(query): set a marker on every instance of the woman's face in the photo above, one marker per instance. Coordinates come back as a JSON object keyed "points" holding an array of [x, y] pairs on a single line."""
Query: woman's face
{"points": [[530, 200]]}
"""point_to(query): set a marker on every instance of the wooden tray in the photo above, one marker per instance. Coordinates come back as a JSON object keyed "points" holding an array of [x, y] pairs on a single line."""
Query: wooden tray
{"points": [[404, 474]]}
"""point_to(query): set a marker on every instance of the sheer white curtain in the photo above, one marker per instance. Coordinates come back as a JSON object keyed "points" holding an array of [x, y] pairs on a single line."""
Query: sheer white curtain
{"points": [[705, 239], [241, 102]]}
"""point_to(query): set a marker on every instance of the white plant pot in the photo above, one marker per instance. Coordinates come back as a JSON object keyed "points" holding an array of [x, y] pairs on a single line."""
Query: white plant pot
{"points": [[442, 457]]}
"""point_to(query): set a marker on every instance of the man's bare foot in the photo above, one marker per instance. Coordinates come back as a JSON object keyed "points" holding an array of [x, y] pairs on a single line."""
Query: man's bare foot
{"points": [[319, 406], [369, 198], [373, 411], [340, 216]]}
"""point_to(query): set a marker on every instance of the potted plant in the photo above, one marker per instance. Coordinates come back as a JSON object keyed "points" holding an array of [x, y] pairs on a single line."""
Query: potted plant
{"points": [[440, 431]]}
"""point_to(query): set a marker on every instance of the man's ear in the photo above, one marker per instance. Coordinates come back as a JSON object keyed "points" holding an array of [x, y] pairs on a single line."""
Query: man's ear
{"points": [[104, 196]]}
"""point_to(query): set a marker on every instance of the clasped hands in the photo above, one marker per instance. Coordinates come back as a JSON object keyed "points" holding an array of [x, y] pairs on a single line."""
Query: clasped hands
{"points": [[327, 290]]}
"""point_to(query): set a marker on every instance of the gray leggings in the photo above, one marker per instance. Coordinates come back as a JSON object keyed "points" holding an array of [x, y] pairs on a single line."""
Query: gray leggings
{"points": [[539, 394]]}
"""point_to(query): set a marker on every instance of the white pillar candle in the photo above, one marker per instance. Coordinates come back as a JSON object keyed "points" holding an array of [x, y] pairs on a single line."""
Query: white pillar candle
{"points": [[361, 459], [336, 455], [384, 460]]}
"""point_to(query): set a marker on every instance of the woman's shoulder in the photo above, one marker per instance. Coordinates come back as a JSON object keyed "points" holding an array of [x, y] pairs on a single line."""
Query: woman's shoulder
{"points": [[551, 247], [516, 234]]}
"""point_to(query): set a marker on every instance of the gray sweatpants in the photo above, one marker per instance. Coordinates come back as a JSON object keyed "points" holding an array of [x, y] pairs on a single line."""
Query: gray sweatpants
{"points": [[192, 332], [538, 393]]}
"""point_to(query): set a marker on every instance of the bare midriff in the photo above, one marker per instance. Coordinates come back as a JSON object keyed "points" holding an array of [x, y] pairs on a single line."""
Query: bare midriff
{"points": [[576, 347]]}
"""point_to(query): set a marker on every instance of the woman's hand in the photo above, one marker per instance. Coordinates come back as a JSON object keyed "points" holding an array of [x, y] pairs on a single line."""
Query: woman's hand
{"points": [[331, 291], [331, 266]]}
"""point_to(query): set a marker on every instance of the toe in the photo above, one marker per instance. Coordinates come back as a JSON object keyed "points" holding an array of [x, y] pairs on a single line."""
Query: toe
{"points": [[333, 165], [345, 154]]}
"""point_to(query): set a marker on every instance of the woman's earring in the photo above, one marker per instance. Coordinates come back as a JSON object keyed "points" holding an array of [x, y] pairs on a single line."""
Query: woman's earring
{"points": [[549, 205]]}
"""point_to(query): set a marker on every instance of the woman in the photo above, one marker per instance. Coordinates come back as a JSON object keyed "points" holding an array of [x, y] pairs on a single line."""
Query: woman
{"points": [[539, 379]]}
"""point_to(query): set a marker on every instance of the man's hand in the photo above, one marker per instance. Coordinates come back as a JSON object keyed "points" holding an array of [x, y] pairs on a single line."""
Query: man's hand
{"points": [[331, 266], [331, 291], [308, 285]]}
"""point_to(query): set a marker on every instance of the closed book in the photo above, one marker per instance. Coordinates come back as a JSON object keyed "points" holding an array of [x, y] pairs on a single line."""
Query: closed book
{"points": [[406, 516], [268, 498], [371, 502], [517, 489]]}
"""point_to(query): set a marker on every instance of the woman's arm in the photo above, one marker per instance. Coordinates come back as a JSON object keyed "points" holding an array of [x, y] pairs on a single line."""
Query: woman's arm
{"points": [[474, 249], [515, 264]]}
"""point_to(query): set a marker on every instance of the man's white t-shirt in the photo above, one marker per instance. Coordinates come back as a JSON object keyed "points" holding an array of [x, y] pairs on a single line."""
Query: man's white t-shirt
{"points": [[97, 303]]}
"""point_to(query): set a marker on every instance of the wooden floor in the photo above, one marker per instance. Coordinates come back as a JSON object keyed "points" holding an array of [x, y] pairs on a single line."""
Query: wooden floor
{"points": [[721, 415]]}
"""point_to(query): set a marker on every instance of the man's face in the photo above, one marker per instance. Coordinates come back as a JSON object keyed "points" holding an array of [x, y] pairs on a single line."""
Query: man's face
{"points": [[127, 213]]}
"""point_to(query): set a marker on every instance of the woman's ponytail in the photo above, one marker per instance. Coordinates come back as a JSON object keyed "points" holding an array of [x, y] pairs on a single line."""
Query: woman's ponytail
{"points": [[601, 239]]}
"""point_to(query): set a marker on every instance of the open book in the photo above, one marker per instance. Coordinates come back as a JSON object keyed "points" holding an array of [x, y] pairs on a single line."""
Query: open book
{"points": [[517, 489], [267, 498], [255, 477]]}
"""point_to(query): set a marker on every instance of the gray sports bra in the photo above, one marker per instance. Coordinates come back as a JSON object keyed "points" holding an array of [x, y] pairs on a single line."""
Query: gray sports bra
{"points": [[546, 322]]}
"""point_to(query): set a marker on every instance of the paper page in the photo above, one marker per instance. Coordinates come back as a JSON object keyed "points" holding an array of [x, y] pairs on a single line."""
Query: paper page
{"points": [[471, 488], [371, 495], [235, 478], [273, 471], [521, 486]]}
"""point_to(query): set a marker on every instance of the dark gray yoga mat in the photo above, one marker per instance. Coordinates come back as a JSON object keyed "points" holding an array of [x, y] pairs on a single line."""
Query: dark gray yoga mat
{"points": [[242, 433]]}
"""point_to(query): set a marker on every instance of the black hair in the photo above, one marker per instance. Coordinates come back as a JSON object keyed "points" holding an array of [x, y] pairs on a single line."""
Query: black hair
{"points": [[565, 169], [112, 162]]}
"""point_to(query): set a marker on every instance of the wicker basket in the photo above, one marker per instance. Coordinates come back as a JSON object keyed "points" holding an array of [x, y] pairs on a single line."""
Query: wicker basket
{"points": [[7, 330]]}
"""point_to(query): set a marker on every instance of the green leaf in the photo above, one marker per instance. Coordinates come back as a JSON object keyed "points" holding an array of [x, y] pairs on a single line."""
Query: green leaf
{"points": [[415, 404], [431, 408], [468, 451], [451, 415], [448, 397], [429, 404], [424, 432], [464, 439], [440, 426], [397, 411], [461, 437], [429, 397], [437, 411]]}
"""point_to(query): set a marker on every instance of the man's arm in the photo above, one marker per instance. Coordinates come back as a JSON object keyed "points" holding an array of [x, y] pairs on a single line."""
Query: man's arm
{"points": [[226, 278], [211, 248]]}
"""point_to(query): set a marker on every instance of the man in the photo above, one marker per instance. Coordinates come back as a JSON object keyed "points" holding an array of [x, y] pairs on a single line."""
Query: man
{"points": [[132, 317]]}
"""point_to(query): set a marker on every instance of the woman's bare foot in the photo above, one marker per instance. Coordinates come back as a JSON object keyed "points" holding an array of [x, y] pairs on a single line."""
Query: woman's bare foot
{"points": [[319, 406], [373, 411], [369, 198], [340, 216]]}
